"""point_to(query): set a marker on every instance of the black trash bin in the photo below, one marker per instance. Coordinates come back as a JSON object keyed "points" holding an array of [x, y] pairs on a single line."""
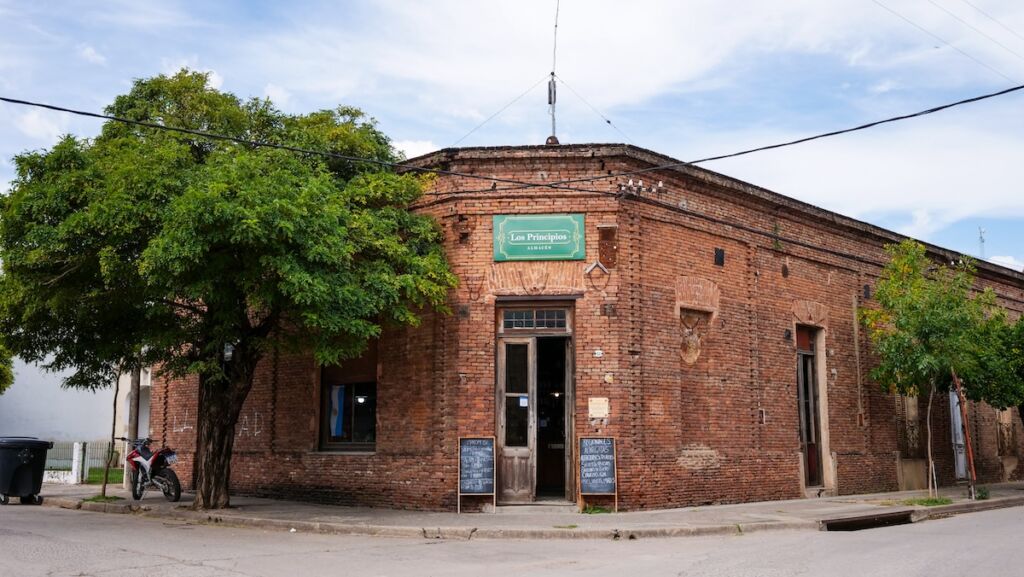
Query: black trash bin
{"points": [[22, 461]]}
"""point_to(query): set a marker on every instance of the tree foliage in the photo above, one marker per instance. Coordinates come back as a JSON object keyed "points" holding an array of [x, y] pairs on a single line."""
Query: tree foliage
{"points": [[929, 322], [151, 247], [931, 326], [6, 369]]}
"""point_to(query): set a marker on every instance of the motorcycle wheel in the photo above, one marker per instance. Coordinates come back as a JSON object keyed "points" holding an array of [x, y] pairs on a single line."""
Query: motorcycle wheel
{"points": [[137, 487], [171, 486]]}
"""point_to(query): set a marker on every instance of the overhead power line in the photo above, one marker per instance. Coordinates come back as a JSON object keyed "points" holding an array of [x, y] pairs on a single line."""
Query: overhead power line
{"points": [[943, 40], [560, 184], [889, 120], [264, 144], [993, 18], [972, 27]]}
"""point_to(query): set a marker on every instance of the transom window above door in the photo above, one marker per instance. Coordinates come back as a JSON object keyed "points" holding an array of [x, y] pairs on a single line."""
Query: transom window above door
{"points": [[532, 319]]}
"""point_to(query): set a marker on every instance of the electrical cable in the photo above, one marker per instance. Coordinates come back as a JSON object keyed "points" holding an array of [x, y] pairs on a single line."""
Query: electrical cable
{"points": [[264, 144], [800, 140], [560, 184], [941, 39], [502, 109], [592, 107], [993, 18], [972, 27]]}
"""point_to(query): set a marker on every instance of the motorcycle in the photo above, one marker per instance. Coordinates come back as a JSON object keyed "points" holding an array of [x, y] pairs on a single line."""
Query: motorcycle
{"points": [[152, 469]]}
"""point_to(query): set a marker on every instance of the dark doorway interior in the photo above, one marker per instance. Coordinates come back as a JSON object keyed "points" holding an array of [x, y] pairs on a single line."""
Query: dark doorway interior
{"points": [[807, 404], [551, 373]]}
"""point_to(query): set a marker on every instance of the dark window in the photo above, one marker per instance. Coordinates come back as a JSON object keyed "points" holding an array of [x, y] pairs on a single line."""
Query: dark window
{"points": [[608, 246], [349, 404], [517, 399]]}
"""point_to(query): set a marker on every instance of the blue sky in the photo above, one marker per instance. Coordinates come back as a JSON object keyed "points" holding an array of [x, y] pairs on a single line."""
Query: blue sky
{"points": [[688, 79]]}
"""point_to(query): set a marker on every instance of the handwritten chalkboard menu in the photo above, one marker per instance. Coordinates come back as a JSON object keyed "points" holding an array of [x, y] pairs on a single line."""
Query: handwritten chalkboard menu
{"points": [[597, 467], [476, 467]]}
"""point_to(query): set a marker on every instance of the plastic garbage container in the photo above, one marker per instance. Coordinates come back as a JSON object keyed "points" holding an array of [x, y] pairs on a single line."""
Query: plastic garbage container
{"points": [[22, 460]]}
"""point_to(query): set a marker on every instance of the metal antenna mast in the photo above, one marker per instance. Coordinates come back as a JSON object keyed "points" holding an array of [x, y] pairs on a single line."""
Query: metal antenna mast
{"points": [[981, 243], [552, 93]]}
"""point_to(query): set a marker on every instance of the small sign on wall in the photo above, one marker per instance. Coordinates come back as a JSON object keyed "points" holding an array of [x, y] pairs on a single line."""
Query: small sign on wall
{"points": [[598, 407]]}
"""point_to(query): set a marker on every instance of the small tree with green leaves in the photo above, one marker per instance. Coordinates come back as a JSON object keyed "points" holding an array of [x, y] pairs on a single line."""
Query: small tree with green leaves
{"points": [[144, 246], [930, 328], [6, 369]]}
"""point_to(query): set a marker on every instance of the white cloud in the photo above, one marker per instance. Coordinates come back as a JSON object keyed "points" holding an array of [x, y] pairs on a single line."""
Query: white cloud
{"points": [[171, 66], [414, 148], [42, 125], [935, 171], [1008, 262], [89, 54], [280, 96], [478, 55]]}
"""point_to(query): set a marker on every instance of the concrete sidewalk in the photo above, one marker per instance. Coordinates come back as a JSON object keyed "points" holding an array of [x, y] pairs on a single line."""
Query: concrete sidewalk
{"points": [[540, 521]]}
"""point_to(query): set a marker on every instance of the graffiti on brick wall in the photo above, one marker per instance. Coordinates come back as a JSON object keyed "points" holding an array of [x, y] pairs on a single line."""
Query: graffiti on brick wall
{"points": [[184, 426], [250, 427]]}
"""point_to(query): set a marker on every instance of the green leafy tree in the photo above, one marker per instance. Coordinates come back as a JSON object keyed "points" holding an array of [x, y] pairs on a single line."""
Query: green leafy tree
{"points": [[149, 247], [6, 369], [931, 328], [1009, 391]]}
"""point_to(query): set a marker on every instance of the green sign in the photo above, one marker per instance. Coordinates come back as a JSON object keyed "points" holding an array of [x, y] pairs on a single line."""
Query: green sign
{"points": [[539, 237]]}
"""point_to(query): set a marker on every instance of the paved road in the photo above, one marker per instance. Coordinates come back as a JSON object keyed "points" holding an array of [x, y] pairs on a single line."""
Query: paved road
{"points": [[54, 542]]}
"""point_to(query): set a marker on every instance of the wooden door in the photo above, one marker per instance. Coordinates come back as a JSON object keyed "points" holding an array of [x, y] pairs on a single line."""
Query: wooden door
{"points": [[516, 415]]}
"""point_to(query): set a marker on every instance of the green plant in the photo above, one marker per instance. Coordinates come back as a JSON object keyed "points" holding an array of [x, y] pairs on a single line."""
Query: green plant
{"points": [[981, 493], [102, 499], [595, 510], [927, 501], [565, 526], [96, 476]]}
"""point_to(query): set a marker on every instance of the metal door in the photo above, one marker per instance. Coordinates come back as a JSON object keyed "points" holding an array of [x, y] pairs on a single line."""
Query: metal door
{"points": [[957, 426], [516, 414]]}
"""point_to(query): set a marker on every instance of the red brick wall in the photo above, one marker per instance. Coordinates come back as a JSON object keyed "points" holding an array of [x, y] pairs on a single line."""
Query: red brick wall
{"points": [[721, 430]]}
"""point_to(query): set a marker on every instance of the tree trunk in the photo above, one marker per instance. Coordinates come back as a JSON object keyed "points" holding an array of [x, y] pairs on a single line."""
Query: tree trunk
{"points": [[220, 404], [932, 489], [133, 403], [113, 433]]}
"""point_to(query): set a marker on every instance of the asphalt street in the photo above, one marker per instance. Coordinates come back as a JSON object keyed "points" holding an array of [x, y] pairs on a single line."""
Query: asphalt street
{"points": [[38, 541]]}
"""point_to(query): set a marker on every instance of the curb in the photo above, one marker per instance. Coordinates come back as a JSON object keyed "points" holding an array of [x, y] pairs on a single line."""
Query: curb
{"points": [[467, 533]]}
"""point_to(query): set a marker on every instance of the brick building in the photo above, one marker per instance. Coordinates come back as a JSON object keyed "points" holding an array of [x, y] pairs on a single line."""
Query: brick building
{"points": [[706, 324]]}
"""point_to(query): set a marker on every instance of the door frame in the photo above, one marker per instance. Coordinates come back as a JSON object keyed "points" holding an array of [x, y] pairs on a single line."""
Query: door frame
{"points": [[501, 397], [530, 336], [829, 476]]}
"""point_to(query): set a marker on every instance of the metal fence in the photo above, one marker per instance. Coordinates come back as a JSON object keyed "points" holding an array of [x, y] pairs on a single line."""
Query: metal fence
{"points": [[60, 456]]}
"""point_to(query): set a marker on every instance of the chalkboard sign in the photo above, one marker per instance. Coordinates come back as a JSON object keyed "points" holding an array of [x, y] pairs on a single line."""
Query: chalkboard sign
{"points": [[597, 468], [476, 467]]}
